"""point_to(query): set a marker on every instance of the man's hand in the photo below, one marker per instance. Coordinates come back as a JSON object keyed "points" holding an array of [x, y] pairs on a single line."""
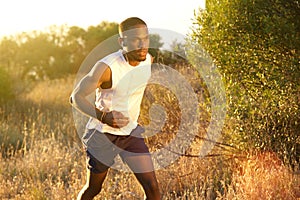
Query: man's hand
{"points": [[115, 119]]}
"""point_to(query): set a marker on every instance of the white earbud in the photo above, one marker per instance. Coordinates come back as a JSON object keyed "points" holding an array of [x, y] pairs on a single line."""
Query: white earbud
{"points": [[124, 44]]}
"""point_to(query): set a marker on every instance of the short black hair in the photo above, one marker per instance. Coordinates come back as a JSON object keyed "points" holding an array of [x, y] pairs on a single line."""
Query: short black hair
{"points": [[128, 23]]}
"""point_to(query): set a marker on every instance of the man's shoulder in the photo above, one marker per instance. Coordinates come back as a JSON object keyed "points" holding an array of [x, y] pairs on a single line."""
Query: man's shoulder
{"points": [[111, 57]]}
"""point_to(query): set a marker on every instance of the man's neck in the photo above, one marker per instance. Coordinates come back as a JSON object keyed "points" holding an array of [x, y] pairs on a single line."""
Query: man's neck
{"points": [[130, 61]]}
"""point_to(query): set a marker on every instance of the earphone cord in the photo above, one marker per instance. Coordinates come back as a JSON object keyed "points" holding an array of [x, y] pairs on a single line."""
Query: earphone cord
{"points": [[126, 57]]}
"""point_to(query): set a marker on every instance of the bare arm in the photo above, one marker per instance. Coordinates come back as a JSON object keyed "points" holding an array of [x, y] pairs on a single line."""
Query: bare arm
{"points": [[99, 74], [88, 84]]}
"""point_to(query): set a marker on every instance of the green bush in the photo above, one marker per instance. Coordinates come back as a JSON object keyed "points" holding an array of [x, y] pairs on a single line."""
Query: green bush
{"points": [[255, 45]]}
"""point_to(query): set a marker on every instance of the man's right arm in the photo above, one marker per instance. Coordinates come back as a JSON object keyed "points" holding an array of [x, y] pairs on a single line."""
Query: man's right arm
{"points": [[88, 84], [99, 74]]}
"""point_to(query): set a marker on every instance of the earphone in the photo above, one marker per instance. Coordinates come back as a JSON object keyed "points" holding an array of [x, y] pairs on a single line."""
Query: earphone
{"points": [[123, 42]]}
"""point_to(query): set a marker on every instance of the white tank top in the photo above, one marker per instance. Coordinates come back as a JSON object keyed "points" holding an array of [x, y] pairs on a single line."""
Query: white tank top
{"points": [[126, 93]]}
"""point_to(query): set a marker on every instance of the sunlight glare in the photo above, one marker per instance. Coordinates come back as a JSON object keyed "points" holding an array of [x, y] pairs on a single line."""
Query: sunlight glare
{"points": [[18, 16]]}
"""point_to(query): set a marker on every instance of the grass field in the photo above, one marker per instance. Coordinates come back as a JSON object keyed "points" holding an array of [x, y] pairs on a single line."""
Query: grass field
{"points": [[42, 158]]}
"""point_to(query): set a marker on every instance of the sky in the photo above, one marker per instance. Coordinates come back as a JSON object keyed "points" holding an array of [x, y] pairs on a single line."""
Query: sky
{"points": [[17, 16]]}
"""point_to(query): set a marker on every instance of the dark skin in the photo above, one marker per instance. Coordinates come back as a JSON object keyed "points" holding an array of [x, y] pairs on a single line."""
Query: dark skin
{"points": [[136, 49]]}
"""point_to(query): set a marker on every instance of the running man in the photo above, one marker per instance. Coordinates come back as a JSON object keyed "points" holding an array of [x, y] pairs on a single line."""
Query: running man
{"points": [[119, 80]]}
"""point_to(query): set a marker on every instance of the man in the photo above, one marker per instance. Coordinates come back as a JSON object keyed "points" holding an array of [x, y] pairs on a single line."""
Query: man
{"points": [[119, 80]]}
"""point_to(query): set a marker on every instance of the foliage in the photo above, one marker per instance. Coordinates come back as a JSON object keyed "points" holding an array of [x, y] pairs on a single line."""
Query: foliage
{"points": [[255, 44], [53, 53], [155, 45], [59, 51], [6, 86]]}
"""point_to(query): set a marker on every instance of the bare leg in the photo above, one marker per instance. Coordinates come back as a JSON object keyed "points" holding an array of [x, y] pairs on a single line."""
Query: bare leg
{"points": [[93, 185], [149, 184], [143, 169]]}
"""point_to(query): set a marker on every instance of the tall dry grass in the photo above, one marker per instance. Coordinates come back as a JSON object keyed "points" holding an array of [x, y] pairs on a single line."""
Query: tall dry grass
{"points": [[42, 158], [262, 176]]}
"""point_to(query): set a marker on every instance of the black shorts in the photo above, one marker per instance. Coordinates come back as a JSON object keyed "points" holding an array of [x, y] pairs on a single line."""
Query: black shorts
{"points": [[102, 148]]}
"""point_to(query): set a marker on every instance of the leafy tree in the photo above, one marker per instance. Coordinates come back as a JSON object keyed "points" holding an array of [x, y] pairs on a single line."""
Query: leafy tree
{"points": [[8, 52], [52, 53], [255, 44], [96, 34], [35, 53], [6, 86], [155, 45], [75, 44]]}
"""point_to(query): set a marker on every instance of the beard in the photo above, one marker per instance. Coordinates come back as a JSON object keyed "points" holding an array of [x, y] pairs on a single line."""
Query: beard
{"points": [[138, 55]]}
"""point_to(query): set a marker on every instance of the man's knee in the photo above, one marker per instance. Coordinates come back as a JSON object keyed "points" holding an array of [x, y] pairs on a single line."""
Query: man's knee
{"points": [[151, 185]]}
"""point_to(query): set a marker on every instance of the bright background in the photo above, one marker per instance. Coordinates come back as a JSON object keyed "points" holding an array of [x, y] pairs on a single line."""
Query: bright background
{"points": [[26, 15]]}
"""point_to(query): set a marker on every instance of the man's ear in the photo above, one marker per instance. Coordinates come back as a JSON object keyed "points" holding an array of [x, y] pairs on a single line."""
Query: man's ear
{"points": [[122, 42]]}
